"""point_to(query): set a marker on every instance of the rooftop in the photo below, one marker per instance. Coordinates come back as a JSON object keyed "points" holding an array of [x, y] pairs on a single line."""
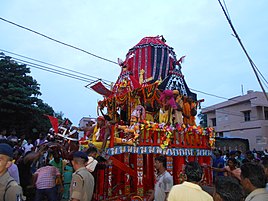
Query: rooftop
{"points": [[256, 98]]}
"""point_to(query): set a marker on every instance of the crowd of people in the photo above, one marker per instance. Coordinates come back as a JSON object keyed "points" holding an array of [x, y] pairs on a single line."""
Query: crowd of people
{"points": [[245, 181], [40, 170], [229, 162]]}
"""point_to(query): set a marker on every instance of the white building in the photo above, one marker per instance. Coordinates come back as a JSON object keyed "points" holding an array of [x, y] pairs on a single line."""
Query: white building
{"points": [[241, 117], [85, 120]]}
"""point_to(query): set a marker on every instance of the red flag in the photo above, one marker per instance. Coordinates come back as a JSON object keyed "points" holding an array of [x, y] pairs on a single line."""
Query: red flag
{"points": [[54, 122], [101, 89]]}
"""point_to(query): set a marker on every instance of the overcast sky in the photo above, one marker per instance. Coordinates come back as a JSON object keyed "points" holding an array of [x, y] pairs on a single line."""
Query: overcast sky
{"points": [[214, 61]]}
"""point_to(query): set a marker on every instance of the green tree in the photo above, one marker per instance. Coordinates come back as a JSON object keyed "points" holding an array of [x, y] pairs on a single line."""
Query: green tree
{"points": [[203, 119], [20, 107], [59, 116]]}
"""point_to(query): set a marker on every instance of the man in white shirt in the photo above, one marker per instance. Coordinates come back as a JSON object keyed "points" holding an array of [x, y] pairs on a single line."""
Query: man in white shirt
{"points": [[41, 140], [28, 146], [164, 181]]}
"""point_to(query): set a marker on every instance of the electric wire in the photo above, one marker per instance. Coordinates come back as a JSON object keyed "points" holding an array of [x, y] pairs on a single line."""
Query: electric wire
{"points": [[51, 70], [50, 38], [80, 78], [56, 66], [253, 66], [45, 67], [209, 94], [87, 79], [56, 72], [227, 15], [263, 78], [220, 97], [40, 67], [227, 10], [55, 40], [62, 73], [59, 73]]}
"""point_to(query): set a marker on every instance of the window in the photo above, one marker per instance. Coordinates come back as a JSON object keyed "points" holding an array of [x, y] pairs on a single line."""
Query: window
{"points": [[261, 140], [213, 121], [266, 115], [247, 115]]}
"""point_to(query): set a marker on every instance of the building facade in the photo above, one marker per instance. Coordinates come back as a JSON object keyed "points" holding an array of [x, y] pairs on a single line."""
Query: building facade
{"points": [[85, 121], [243, 117]]}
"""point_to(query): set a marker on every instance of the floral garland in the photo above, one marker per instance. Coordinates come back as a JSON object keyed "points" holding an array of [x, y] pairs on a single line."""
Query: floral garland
{"points": [[167, 131], [212, 137]]}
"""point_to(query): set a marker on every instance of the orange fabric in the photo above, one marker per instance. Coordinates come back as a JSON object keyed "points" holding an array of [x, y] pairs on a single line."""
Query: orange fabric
{"points": [[192, 118], [187, 113]]}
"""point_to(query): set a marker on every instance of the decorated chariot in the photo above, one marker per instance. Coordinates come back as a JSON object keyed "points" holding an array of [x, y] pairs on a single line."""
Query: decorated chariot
{"points": [[150, 111]]}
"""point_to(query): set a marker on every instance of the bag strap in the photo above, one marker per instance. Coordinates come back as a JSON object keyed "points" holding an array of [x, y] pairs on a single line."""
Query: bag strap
{"points": [[7, 187]]}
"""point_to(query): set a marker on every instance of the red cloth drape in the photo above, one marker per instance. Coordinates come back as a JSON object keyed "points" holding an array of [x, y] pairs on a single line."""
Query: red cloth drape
{"points": [[54, 122]]}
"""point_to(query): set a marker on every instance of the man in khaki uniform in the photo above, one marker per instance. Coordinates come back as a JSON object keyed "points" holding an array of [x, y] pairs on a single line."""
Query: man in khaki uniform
{"points": [[82, 184], [9, 188]]}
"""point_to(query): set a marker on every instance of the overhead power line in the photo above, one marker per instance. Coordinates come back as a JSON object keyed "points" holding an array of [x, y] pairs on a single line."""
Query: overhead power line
{"points": [[263, 78], [56, 71], [253, 66], [63, 43], [55, 40], [209, 94], [80, 75], [56, 66], [51, 69], [81, 78], [216, 96], [85, 79], [42, 67]]}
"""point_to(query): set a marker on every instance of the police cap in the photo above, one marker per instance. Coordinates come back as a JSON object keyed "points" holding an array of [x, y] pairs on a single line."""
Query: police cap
{"points": [[6, 149], [80, 154]]}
